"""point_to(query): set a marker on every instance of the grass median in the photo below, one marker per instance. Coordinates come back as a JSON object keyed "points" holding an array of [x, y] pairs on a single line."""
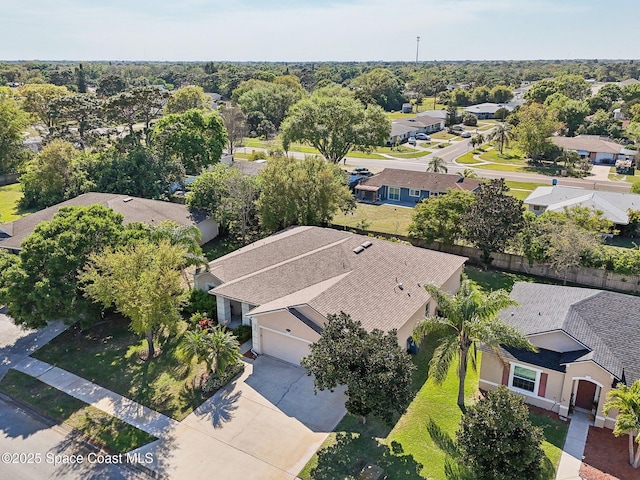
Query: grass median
{"points": [[97, 426]]}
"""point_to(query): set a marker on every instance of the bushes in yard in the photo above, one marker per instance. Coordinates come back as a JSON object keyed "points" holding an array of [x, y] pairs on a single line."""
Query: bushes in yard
{"points": [[201, 302], [216, 381]]}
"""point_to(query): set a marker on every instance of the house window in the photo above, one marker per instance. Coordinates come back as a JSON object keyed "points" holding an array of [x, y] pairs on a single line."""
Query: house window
{"points": [[536, 208], [524, 379], [394, 193], [414, 193]]}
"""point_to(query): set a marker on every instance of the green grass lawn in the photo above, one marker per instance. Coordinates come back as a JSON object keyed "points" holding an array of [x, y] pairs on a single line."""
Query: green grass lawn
{"points": [[382, 218], [96, 425], [10, 195], [109, 355], [420, 443], [489, 280], [467, 158], [508, 156], [443, 135]]}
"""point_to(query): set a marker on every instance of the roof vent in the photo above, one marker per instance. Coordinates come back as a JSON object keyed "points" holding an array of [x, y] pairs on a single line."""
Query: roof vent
{"points": [[128, 199], [366, 244], [358, 249], [400, 286]]}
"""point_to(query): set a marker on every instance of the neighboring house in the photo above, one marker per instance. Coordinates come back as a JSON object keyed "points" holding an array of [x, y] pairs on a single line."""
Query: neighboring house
{"points": [[484, 111], [286, 285], [439, 114], [404, 128], [133, 209], [404, 187], [615, 206], [587, 343], [627, 82], [600, 150]]}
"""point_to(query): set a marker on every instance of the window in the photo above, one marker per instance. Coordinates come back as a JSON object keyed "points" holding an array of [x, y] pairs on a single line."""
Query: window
{"points": [[394, 193], [524, 379], [414, 193], [536, 208]]}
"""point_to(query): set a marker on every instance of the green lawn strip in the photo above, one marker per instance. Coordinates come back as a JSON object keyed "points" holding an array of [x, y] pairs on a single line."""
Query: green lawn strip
{"points": [[382, 218], [508, 156], [10, 195], [442, 135], [419, 444], [524, 185], [99, 427], [519, 194], [467, 158], [555, 433], [489, 280], [109, 355], [399, 115]]}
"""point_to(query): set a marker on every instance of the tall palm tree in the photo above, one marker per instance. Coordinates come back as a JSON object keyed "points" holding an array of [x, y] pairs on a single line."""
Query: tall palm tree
{"points": [[463, 321], [502, 135], [627, 401], [437, 165]]}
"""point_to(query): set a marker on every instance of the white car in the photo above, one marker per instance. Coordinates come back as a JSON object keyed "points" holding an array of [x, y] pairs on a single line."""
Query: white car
{"points": [[465, 134], [422, 136], [411, 141]]}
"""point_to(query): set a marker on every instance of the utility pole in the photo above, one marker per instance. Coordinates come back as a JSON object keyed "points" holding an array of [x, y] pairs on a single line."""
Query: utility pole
{"points": [[417, 49]]}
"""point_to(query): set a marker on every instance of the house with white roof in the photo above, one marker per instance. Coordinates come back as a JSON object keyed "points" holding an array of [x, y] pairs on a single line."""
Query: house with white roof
{"points": [[614, 206], [404, 128], [487, 110], [600, 150]]}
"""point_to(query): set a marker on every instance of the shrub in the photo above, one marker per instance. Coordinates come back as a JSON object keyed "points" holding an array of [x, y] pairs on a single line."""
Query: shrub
{"points": [[497, 441], [470, 120], [257, 155], [243, 332], [201, 302], [216, 381]]}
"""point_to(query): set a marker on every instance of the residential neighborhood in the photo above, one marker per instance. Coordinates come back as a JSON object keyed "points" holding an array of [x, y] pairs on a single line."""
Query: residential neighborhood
{"points": [[275, 258]]}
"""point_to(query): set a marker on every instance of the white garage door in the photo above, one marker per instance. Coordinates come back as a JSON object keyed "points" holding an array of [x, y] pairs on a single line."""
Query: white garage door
{"points": [[283, 347]]}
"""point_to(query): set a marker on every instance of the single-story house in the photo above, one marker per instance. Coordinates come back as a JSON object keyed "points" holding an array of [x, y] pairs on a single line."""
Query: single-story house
{"points": [[133, 209], [487, 110], [615, 206], [404, 128], [439, 114], [627, 82], [404, 187], [286, 285], [600, 150], [587, 342]]}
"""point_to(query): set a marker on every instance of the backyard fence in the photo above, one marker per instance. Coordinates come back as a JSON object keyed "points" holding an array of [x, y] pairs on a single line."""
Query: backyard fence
{"points": [[590, 277], [9, 178]]}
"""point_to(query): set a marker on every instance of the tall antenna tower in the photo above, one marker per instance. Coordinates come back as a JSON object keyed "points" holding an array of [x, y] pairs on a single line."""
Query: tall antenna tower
{"points": [[417, 49]]}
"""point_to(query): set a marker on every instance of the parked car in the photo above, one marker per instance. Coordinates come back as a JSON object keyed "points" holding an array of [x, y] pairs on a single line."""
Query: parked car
{"points": [[411, 141], [465, 134], [457, 128], [362, 171], [422, 136]]}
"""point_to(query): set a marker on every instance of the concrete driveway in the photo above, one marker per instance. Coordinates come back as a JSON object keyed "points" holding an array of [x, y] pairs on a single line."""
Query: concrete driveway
{"points": [[265, 425]]}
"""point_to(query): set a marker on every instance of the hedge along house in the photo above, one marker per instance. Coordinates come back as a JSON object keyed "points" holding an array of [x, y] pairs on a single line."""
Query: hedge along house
{"points": [[407, 188], [587, 343], [286, 285]]}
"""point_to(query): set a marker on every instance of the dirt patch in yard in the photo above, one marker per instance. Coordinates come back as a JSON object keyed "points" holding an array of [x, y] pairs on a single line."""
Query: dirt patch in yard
{"points": [[606, 457]]}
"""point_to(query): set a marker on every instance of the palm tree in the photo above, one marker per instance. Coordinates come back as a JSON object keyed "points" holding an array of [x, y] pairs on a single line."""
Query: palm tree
{"points": [[437, 165], [468, 173], [218, 348], [627, 401], [463, 321], [186, 236], [502, 135]]}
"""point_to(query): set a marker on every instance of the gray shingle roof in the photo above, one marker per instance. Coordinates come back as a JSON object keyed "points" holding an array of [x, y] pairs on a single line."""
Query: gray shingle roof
{"points": [[317, 266], [607, 323], [433, 182], [588, 143], [133, 210], [614, 205]]}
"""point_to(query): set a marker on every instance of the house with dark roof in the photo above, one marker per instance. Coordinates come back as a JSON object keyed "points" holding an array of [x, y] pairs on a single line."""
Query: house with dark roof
{"points": [[286, 285], [407, 188], [587, 342], [133, 209]]}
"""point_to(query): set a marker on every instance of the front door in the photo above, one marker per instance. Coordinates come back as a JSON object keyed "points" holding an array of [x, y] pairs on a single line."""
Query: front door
{"points": [[585, 395]]}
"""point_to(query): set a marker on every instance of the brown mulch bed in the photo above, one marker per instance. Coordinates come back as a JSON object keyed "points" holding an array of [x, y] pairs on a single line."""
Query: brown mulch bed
{"points": [[606, 457]]}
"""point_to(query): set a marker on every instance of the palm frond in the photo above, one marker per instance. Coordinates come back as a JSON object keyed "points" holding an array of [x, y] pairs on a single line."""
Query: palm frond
{"points": [[443, 357]]}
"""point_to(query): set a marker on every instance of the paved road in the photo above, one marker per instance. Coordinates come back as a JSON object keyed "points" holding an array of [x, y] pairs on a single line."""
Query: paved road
{"points": [[24, 438]]}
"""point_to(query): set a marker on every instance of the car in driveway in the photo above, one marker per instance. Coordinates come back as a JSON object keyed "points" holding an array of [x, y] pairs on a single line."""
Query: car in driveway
{"points": [[411, 141], [458, 128], [465, 134], [362, 171], [422, 136]]}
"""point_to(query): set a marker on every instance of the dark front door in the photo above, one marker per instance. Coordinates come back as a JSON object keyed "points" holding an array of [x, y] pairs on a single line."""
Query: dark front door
{"points": [[585, 395]]}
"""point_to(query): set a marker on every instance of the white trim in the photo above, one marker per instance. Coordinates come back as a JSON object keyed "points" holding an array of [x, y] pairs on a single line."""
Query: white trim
{"points": [[389, 187], [285, 335], [544, 399], [493, 384], [536, 383], [414, 190], [587, 379]]}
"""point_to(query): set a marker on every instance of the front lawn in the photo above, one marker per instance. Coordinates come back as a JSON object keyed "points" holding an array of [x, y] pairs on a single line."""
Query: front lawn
{"points": [[380, 218], [10, 195], [109, 355], [420, 443], [98, 426], [467, 158]]}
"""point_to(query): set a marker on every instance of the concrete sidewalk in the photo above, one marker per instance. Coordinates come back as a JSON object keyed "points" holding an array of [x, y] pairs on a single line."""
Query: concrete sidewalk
{"points": [[573, 450], [116, 405]]}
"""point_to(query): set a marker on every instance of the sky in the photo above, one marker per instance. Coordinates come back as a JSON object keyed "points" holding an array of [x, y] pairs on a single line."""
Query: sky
{"points": [[318, 30]]}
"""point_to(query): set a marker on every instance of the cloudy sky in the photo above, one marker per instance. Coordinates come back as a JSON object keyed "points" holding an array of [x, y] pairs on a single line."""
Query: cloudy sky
{"points": [[318, 30]]}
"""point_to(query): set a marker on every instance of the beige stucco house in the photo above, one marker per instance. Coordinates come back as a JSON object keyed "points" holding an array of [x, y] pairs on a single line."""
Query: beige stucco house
{"points": [[587, 343], [286, 285]]}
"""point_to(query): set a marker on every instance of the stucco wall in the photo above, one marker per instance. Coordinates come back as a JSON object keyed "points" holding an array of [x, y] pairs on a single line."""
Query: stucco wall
{"points": [[204, 278], [556, 341], [282, 320], [209, 230], [586, 370]]}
